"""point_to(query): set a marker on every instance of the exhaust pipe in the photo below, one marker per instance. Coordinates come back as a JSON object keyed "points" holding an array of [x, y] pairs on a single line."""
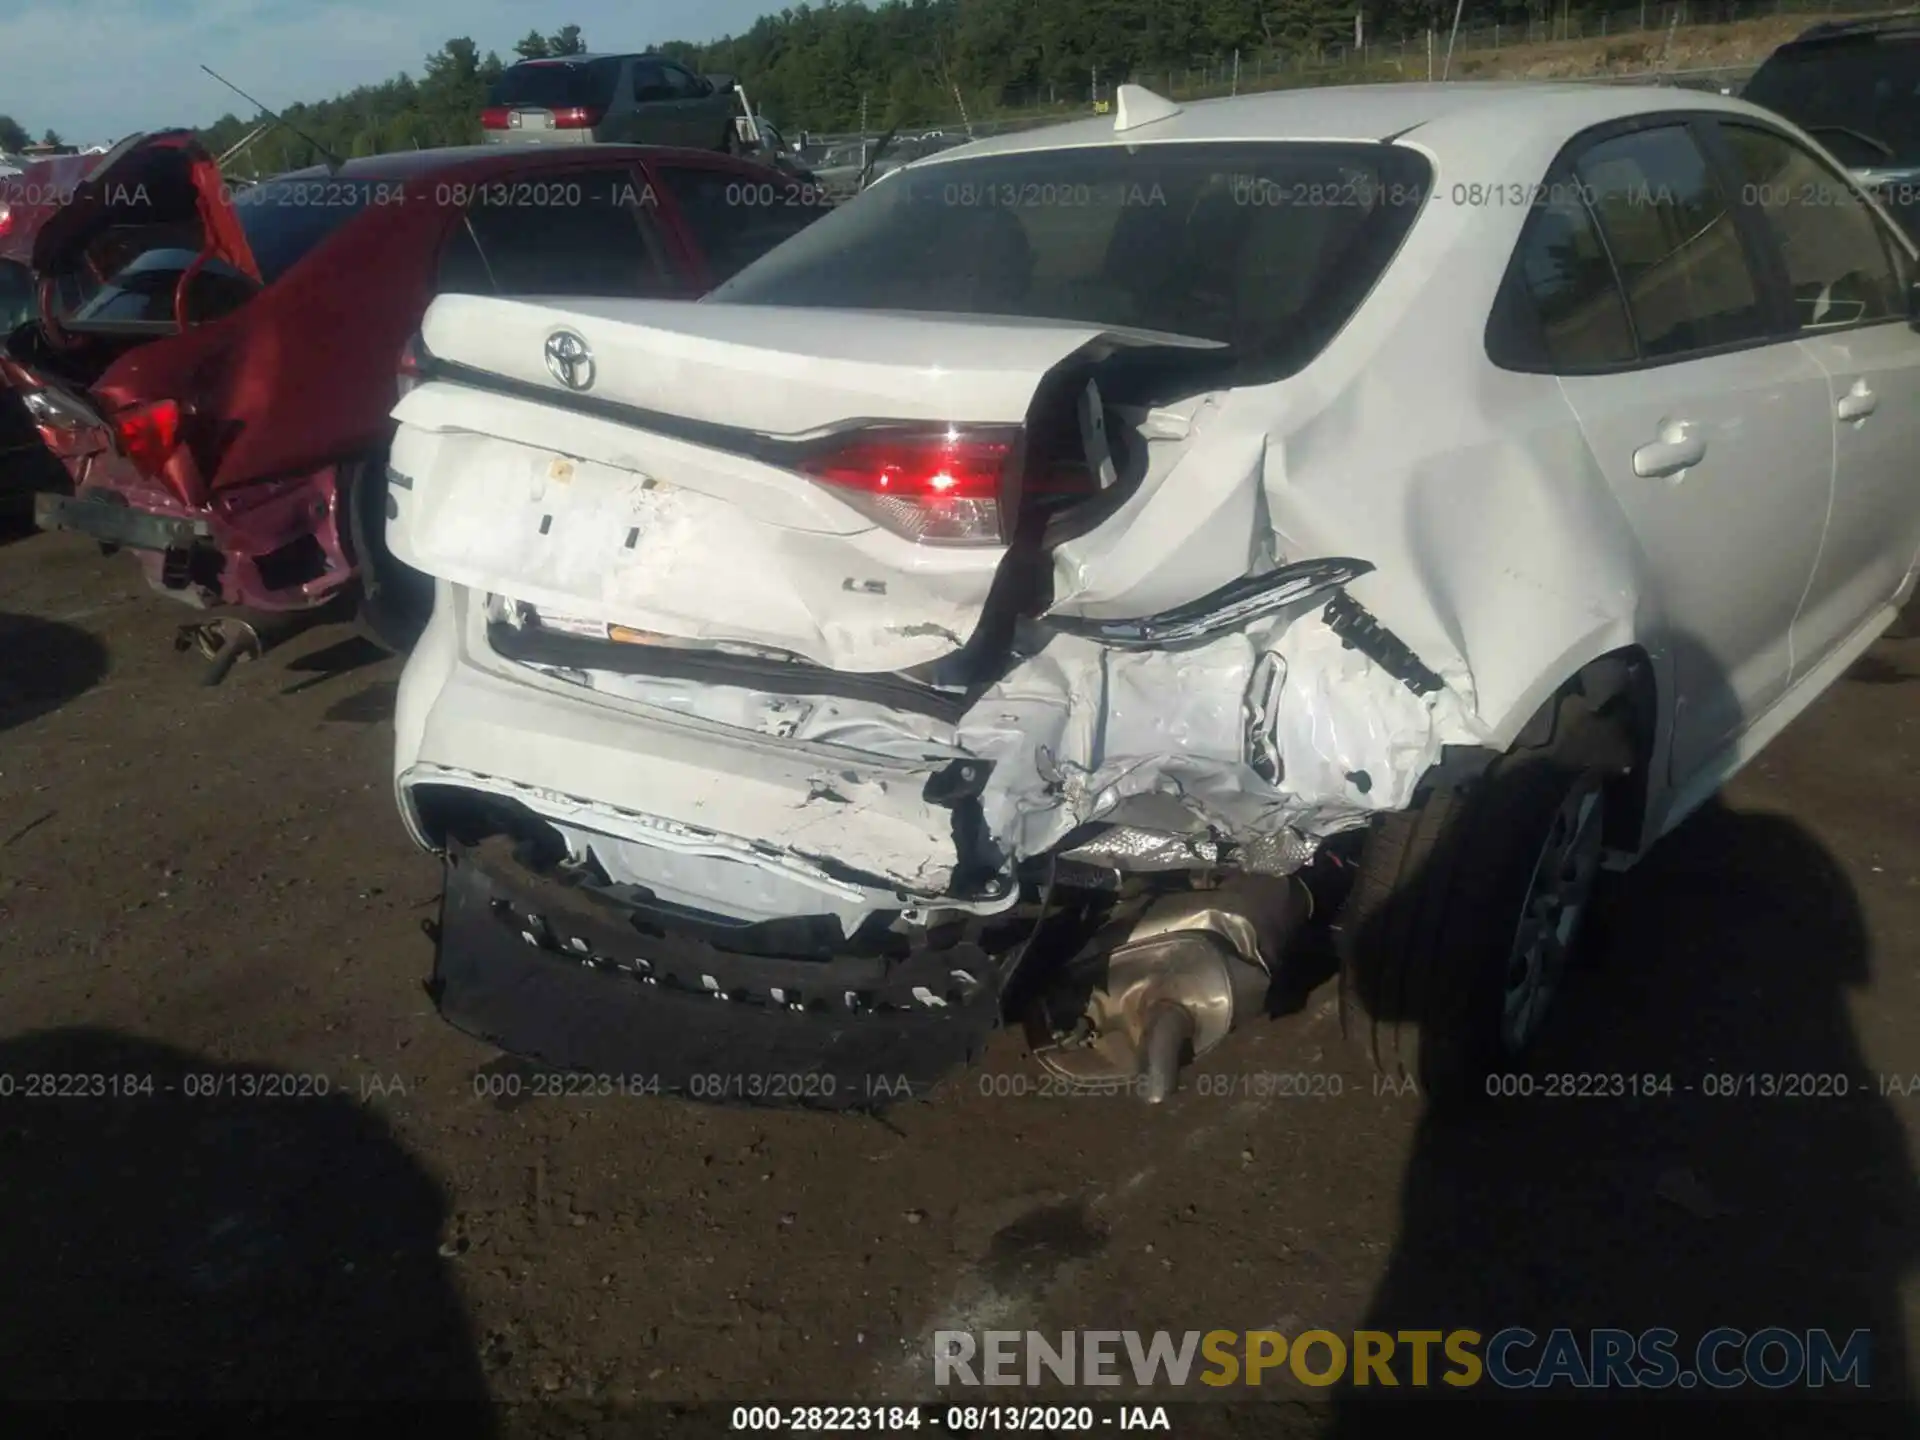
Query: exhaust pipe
{"points": [[1173, 984], [226, 641]]}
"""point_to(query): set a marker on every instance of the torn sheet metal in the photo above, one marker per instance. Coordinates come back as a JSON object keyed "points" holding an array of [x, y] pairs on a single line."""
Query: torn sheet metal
{"points": [[1133, 848], [1265, 740], [1232, 606], [1278, 728]]}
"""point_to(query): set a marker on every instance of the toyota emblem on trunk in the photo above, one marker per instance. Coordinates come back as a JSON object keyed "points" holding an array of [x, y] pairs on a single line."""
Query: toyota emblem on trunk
{"points": [[569, 360]]}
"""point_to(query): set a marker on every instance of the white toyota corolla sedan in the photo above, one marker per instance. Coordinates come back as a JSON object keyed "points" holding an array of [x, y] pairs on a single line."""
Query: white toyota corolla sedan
{"points": [[1050, 582]]}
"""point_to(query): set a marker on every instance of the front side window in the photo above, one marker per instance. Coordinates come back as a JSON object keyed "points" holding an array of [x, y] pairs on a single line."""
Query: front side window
{"points": [[1263, 248], [1671, 232], [650, 83], [683, 84], [1839, 262]]}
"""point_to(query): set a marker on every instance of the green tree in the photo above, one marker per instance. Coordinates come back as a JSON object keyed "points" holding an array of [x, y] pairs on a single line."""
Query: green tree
{"points": [[52, 137], [13, 135], [532, 46], [566, 41]]}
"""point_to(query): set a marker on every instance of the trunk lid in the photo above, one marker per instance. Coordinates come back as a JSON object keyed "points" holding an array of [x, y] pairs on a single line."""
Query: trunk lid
{"points": [[837, 488], [163, 178]]}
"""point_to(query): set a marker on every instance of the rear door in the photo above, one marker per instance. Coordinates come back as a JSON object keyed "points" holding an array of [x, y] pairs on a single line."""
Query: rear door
{"points": [[708, 112], [1848, 273], [1711, 424], [669, 108]]}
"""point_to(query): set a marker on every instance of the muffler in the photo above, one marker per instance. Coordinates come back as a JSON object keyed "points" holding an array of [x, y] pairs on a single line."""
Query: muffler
{"points": [[1169, 985]]}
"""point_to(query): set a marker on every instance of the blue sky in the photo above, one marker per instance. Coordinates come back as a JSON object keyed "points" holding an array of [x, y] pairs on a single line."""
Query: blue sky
{"points": [[135, 63]]}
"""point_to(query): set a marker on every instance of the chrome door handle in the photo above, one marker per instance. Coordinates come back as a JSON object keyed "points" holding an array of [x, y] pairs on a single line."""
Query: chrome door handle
{"points": [[1857, 403], [1681, 446]]}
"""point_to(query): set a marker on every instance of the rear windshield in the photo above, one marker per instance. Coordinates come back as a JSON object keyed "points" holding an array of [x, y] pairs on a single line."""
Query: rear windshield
{"points": [[143, 292], [1265, 248], [286, 218], [557, 84], [1858, 97]]}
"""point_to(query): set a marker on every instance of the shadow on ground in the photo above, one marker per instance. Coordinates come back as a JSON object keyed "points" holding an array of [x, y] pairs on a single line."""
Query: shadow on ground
{"points": [[222, 1236], [343, 657], [43, 665], [1727, 960]]}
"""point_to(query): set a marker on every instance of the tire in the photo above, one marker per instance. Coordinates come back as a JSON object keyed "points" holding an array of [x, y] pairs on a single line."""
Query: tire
{"points": [[395, 599], [1430, 934]]}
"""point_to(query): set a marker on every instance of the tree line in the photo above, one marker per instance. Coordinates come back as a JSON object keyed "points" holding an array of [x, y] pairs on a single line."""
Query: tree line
{"points": [[835, 66]]}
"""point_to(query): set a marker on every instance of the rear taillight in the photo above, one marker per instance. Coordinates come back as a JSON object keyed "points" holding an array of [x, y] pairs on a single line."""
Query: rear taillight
{"points": [[495, 117], [413, 365], [148, 435], [577, 117], [6, 217], [945, 487]]}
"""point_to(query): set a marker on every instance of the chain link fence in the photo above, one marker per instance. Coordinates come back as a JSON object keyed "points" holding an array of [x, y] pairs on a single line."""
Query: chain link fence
{"points": [[1636, 36]]}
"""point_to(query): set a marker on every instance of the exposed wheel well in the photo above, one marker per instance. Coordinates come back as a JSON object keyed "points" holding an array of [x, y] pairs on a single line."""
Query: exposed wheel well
{"points": [[1621, 686]]}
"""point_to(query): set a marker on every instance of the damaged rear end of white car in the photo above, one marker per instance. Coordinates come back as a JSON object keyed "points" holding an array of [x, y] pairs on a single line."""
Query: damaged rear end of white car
{"points": [[897, 643]]}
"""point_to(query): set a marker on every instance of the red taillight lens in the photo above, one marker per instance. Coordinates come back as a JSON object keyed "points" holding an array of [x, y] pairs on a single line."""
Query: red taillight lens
{"points": [[6, 217], [494, 117], [148, 435], [413, 364], [578, 117], [943, 488]]}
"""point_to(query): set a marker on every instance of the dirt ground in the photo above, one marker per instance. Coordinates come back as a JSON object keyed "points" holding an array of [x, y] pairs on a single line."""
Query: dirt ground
{"points": [[209, 888]]}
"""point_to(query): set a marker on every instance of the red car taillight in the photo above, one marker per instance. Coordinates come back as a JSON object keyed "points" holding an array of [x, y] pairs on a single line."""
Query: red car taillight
{"points": [[945, 487], [148, 435], [494, 117], [413, 365], [6, 217], [578, 117]]}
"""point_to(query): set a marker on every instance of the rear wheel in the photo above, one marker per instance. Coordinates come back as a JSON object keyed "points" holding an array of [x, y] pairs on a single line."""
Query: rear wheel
{"points": [[395, 599], [1469, 907]]}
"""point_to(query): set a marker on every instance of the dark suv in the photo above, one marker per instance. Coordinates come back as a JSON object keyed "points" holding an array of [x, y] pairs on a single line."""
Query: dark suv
{"points": [[1854, 85], [636, 99]]}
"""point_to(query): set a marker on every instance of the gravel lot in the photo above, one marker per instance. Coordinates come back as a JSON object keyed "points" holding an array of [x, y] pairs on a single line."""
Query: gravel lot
{"points": [[210, 888]]}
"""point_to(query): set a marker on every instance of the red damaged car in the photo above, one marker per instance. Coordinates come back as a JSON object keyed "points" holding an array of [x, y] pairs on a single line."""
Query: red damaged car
{"points": [[216, 366]]}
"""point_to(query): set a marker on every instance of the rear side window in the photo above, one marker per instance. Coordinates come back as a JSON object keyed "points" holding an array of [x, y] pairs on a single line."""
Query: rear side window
{"points": [[574, 232], [1671, 231], [1265, 248], [735, 218], [557, 84], [1568, 282], [1839, 262]]}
